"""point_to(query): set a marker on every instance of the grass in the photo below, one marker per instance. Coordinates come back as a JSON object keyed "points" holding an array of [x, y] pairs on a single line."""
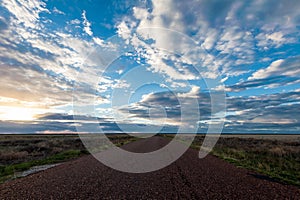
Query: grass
{"points": [[24, 148], [8, 171], [279, 160], [284, 168], [21, 152]]}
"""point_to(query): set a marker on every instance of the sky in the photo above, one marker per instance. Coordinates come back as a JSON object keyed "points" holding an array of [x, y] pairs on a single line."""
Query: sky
{"points": [[149, 66]]}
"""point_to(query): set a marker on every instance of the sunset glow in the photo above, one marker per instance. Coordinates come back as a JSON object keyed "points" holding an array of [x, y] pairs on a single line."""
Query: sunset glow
{"points": [[16, 114]]}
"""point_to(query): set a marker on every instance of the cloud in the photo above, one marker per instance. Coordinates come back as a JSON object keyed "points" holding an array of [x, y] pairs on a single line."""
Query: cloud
{"points": [[179, 41], [39, 64], [193, 93], [25, 12], [87, 24], [276, 113], [57, 123], [18, 84], [75, 21], [280, 108], [229, 30], [289, 67], [55, 10], [161, 16], [3, 24], [256, 114], [253, 114], [269, 82], [264, 73], [278, 73], [172, 108]]}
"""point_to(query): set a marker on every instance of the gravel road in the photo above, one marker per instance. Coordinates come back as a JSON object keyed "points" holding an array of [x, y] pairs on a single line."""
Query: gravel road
{"points": [[187, 178]]}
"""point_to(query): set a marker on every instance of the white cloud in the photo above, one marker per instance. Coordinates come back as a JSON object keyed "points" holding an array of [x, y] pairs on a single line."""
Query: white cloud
{"points": [[41, 91], [75, 21], [55, 10], [276, 37], [210, 39], [268, 40], [26, 12], [288, 67], [234, 37], [271, 69], [154, 53], [231, 37], [193, 93], [51, 57], [98, 41], [87, 25], [140, 13], [124, 30], [221, 88]]}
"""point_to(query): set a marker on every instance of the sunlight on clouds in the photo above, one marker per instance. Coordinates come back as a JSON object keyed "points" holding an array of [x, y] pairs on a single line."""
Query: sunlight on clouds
{"points": [[18, 113], [263, 73], [254, 46], [282, 67]]}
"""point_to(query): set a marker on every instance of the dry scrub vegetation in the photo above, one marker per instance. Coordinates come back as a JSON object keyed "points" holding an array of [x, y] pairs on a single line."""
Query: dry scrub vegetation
{"points": [[278, 159], [21, 152], [17, 149]]}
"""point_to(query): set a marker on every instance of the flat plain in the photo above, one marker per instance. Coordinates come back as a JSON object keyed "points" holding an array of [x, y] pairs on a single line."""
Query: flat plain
{"points": [[238, 167]]}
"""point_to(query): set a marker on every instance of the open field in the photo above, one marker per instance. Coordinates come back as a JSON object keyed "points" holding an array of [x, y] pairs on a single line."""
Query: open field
{"points": [[187, 178], [21, 152], [277, 156]]}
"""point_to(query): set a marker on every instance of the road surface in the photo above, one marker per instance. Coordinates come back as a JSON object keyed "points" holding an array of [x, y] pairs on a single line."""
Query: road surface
{"points": [[187, 178]]}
